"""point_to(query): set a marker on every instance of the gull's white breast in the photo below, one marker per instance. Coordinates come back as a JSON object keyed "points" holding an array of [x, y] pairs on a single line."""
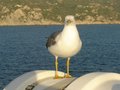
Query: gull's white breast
{"points": [[68, 43]]}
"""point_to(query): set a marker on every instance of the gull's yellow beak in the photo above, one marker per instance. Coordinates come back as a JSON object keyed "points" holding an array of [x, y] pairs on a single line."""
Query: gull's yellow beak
{"points": [[68, 21]]}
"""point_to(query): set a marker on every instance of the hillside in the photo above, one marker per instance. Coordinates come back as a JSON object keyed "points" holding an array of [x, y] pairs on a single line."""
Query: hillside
{"points": [[40, 12]]}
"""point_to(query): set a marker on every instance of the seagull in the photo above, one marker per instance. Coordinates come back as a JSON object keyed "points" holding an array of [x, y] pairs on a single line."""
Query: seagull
{"points": [[65, 43]]}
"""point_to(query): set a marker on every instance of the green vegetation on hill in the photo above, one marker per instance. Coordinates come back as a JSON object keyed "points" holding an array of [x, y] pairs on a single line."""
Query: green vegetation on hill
{"points": [[19, 12]]}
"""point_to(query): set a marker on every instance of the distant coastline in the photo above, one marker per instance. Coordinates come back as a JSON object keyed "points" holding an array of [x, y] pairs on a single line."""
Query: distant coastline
{"points": [[54, 23], [53, 12]]}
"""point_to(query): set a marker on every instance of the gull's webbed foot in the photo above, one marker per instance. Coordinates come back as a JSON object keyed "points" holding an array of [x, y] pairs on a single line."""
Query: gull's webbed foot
{"points": [[67, 76], [58, 77]]}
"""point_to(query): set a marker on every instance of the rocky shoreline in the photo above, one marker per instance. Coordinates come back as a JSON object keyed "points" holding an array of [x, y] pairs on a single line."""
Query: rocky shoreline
{"points": [[53, 23], [46, 12]]}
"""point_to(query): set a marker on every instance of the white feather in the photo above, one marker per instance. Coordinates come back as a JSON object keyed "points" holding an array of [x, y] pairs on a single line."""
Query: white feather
{"points": [[68, 42]]}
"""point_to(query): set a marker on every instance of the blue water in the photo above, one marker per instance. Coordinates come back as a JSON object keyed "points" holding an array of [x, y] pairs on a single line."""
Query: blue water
{"points": [[22, 49]]}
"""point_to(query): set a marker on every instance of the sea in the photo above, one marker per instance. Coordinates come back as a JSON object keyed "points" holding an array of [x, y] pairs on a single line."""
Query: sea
{"points": [[23, 49]]}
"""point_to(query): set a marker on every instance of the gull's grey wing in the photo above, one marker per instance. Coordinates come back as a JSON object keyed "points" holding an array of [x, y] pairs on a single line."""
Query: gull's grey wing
{"points": [[51, 40]]}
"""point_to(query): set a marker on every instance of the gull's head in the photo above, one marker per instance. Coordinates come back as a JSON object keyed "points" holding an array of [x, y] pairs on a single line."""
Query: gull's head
{"points": [[69, 20]]}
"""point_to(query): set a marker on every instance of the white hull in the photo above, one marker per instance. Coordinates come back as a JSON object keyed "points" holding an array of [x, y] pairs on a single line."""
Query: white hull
{"points": [[43, 80]]}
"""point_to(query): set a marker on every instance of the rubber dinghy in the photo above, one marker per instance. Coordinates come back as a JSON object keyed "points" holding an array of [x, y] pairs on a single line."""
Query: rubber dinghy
{"points": [[44, 80]]}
